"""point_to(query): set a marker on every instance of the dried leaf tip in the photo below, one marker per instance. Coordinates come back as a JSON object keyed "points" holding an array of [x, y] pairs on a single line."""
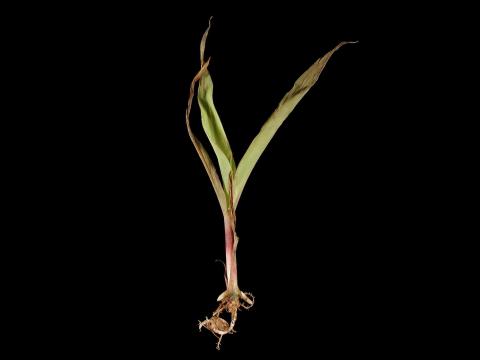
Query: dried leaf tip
{"points": [[204, 41]]}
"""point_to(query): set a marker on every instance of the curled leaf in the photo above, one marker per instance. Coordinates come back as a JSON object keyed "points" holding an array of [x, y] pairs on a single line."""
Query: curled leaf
{"points": [[213, 128], [207, 162], [212, 125]]}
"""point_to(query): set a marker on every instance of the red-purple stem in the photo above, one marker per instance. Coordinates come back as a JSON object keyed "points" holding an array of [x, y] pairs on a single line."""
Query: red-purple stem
{"points": [[230, 253]]}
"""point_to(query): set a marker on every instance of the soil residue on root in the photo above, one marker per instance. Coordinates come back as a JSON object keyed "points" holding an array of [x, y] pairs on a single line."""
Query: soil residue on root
{"points": [[231, 304]]}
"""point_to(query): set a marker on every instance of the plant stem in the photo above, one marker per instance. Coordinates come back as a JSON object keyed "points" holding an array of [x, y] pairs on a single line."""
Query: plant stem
{"points": [[231, 254]]}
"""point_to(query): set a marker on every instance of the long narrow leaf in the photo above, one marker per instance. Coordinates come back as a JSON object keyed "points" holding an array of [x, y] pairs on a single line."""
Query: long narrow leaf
{"points": [[287, 104], [207, 162], [211, 122], [213, 128]]}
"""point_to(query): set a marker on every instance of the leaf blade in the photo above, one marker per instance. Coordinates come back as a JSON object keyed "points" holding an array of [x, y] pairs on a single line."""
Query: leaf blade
{"points": [[202, 153], [214, 130], [273, 123], [211, 122]]}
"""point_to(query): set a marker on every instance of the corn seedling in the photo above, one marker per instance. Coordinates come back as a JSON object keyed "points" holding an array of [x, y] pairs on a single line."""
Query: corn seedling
{"points": [[229, 184]]}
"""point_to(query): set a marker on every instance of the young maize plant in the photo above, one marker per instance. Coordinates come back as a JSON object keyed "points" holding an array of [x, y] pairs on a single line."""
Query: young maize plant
{"points": [[229, 185]]}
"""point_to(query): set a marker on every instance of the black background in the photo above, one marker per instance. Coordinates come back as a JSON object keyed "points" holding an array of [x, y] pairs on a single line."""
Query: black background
{"points": [[325, 219]]}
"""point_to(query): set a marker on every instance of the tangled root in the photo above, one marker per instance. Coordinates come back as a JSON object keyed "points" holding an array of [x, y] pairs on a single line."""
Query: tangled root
{"points": [[230, 302]]}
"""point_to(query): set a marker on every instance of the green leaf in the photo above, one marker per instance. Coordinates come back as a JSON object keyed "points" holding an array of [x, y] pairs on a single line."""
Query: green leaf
{"points": [[287, 104], [213, 128], [211, 122], [207, 162]]}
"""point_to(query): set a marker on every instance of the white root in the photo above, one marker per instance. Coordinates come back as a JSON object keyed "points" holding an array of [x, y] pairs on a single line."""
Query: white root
{"points": [[245, 298]]}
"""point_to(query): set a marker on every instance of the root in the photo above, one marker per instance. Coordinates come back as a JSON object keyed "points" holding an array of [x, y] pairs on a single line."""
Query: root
{"points": [[231, 302], [250, 301]]}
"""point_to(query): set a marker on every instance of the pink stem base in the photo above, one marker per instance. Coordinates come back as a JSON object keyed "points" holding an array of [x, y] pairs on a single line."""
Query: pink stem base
{"points": [[230, 253]]}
